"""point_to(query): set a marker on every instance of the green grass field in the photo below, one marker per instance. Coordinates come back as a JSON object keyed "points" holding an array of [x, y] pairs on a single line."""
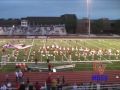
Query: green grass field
{"points": [[63, 50]]}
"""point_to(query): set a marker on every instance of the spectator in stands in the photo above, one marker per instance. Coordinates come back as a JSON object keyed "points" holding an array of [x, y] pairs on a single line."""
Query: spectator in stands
{"points": [[94, 86], [48, 82], [27, 82], [17, 75], [63, 80], [22, 86], [20, 75], [54, 84], [3, 87], [17, 85], [98, 86], [91, 86], [31, 87], [75, 86], [9, 85], [58, 79], [37, 86], [82, 87], [59, 83]]}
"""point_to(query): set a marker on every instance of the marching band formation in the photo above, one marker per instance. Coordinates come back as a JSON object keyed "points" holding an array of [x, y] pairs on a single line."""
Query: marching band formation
{"points": [[58, 52]]}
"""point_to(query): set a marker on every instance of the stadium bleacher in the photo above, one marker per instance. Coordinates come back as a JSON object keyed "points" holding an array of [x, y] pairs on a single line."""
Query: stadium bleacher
{"points": [[34, 30]]}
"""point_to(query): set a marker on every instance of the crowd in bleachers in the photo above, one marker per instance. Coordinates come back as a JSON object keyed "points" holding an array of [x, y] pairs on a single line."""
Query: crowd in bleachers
{"points": [[34, 30]]}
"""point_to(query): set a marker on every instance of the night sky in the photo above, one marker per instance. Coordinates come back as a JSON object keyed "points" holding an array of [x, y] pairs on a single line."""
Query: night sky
{"points": [[23, 8]]}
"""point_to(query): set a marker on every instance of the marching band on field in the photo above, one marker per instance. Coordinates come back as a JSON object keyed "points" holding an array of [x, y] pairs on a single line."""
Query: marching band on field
{"points": [[70, 53]]}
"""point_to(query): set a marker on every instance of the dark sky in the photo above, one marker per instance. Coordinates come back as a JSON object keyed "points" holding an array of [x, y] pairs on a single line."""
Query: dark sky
{"points": [[23, 8]]}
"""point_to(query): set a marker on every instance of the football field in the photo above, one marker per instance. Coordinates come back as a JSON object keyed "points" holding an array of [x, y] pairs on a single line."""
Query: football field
{"points": [[82, 52]]}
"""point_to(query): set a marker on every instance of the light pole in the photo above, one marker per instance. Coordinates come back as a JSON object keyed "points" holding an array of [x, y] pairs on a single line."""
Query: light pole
{"points": [[88, 16]]}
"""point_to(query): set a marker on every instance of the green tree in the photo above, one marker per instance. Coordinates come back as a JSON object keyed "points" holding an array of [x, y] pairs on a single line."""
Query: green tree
{"points": [[117, 26], [70, 21]]}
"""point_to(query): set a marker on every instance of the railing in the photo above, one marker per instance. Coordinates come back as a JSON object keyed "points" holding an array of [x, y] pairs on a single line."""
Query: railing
{"points": [[91, 87], [86, 87]]}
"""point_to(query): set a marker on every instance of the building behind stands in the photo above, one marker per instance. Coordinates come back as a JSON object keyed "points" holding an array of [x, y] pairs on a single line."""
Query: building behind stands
{"points": [[66, 24], [62, 25]]}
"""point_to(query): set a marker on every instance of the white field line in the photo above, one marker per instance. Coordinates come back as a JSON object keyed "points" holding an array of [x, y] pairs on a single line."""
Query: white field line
{"points": [[30, 50], [104, 45], [62, 52], [98, 47], [108, 44], [67, 61], [117, 45], [82, 46]]}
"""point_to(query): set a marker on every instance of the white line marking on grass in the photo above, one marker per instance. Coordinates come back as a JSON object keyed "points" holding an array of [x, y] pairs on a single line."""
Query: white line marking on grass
{"points": [[109, 45], [96, 47], [68, 61], [81, 45], [62, 52], [30, 50]]}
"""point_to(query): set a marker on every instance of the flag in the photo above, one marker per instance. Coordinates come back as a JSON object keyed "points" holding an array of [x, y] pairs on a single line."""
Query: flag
{"points": [[8, 46], [17, 46], [22, 46]]}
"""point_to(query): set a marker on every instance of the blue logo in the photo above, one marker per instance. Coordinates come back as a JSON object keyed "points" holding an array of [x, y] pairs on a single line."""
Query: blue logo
{"points": [[99, 77]]}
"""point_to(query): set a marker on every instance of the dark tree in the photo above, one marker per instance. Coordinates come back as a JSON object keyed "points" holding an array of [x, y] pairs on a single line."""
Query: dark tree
{"points": [[70, 21]]}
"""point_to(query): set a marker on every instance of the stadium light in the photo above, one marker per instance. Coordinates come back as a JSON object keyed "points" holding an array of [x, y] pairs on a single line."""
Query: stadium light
{"points": [[88, 15]]}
